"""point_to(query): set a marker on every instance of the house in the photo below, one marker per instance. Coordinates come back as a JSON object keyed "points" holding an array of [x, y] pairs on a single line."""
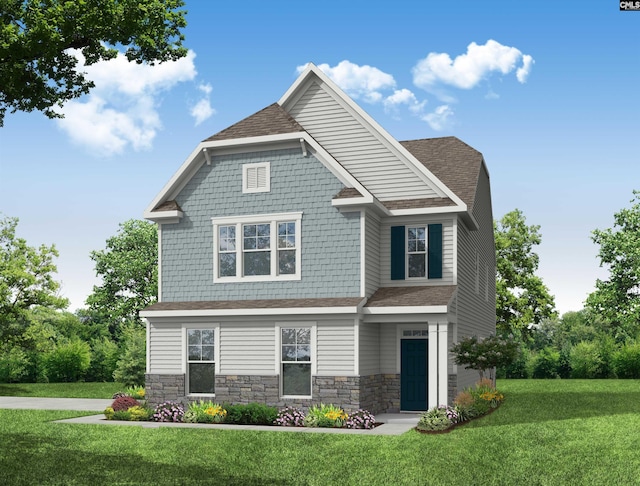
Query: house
{"points": [[306, 256]]}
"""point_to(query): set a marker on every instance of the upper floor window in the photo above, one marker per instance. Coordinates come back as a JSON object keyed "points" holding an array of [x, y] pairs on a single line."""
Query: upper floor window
{"points": [[416, 251], [261, 247], [256, 177]]}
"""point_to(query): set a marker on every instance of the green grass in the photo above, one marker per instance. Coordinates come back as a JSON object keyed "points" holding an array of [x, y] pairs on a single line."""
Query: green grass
{"points": [[546, 433], [60, 390]]}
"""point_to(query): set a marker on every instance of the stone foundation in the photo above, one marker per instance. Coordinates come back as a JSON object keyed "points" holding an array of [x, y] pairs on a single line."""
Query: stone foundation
{"points": [[452, 387], [162, 388], [376, 393]]}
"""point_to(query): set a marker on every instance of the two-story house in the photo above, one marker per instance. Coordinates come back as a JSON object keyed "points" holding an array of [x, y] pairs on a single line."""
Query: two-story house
{"points": [[306, 256]]}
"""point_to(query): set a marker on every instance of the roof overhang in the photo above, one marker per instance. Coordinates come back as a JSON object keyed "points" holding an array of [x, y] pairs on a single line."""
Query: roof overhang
{"points": [[258, 311]]}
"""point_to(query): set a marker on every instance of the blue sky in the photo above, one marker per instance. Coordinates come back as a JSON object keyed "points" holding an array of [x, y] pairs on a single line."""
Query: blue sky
{"points": [[547, 91]]}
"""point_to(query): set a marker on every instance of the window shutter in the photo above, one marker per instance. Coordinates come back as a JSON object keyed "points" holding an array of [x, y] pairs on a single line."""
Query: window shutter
{"points": [[398, 252], [435, 251]]}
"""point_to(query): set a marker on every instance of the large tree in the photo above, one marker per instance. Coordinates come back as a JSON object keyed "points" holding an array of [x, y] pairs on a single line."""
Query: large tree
{"points": [[617, 299], [26, 279], [128, 268], [522, 298], [37, 66]]}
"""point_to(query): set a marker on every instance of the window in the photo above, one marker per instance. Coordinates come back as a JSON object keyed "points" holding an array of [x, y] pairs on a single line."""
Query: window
{"points": [[261, 247], [256, 177], [296, 361], [201, 365], [417, 252]]}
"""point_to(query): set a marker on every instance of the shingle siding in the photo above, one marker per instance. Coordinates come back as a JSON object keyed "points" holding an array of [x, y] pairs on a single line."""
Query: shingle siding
{"points": [[372, 254], [330, 239]]}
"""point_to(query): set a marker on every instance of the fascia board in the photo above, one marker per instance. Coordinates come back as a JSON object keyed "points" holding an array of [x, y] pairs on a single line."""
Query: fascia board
{"points": [[405, 309], [421, 211], [164, 216], [251, 312], [373, 126]]}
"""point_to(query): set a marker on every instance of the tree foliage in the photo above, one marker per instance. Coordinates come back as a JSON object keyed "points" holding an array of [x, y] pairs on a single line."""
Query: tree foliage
{"points": [[484, 354], [617, 299], [37, 66], [26, 279], [129, 271], [522, 298]]}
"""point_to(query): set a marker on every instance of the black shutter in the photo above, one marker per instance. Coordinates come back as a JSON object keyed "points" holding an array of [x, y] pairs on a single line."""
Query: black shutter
{"points": [[435, 251], [398, 251]]}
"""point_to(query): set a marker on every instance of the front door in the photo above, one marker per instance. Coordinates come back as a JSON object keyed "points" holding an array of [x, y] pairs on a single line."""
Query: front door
{"points": [[413, 374]]}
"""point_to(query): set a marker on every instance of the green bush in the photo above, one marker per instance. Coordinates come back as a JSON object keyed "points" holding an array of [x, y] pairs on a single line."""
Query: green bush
{"points": [[585, 360], [547, 364], [434, 419], [521, 367], [626, 361], [251, 414], [14, 366], [68, 361], [325, 416], [205, 412], [104, 358], [131, 366]]}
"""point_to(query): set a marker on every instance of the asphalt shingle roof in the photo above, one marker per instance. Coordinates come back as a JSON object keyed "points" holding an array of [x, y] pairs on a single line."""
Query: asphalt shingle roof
{"points": [[411, 296]]}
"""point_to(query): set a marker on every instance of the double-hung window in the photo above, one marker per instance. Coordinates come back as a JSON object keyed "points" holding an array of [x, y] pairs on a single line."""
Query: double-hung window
{"points": [[417, 251], [260, 247], [201, 365], [296, 361]]}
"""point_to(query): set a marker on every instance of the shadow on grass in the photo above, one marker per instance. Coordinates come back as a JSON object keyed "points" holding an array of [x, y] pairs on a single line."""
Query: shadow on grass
{"points": [[32, 459], [13, 390], [536, 407]]}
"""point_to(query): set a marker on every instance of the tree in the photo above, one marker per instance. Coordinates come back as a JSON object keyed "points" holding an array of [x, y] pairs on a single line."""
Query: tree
{"points": [[617, 299], [129, 271], [26, 280], [485, 354], [522, 299], [38, 68]]}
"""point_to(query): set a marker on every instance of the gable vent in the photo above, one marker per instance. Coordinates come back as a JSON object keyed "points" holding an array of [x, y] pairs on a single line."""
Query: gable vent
{"points": [[256, 177]]}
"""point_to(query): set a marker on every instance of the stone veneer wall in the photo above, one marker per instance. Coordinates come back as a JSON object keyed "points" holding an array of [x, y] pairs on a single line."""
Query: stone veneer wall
{"points": [[161, 388], [380, 393], [376, 393], [453, 387]]}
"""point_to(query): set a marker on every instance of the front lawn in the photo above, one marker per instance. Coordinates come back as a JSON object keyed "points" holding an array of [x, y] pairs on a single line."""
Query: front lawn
{"points": [[546, 432], [60, 390]]}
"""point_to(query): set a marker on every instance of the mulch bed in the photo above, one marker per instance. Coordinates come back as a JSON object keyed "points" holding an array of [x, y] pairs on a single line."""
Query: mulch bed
{"points": [[455, 426]]}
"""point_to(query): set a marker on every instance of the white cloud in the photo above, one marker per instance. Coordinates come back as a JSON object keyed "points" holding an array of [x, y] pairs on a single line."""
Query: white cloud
{"points": [[121, 110], [359, 82], [523, 72], [202, 110], [440, 118], [467, 70], [403, 97]]}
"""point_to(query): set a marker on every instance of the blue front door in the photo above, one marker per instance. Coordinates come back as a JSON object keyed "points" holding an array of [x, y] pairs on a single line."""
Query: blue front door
{"points": [[413, 374]]}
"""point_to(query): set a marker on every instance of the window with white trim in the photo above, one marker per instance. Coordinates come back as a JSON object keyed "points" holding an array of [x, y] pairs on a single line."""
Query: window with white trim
{"points": [[201, 365], [295, 361], [256, 177], [260, 247], [417, 252]]}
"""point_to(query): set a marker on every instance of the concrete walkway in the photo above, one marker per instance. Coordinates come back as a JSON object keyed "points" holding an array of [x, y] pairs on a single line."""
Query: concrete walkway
{"points": [[392, 423]]}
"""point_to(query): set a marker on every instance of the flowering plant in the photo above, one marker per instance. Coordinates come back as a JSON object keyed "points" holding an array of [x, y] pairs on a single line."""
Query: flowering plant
{"points": [[290, 417], [361, 419], [205, 412], [168, 412], [137, 392], [325, 416]]}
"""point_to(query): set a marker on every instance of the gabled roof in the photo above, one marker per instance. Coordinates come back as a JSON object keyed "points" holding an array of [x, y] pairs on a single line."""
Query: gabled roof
{"points": [[452, 161], [272, 120]]}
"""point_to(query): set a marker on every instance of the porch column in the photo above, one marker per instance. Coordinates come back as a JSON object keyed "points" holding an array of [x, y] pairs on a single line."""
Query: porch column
{"points": [[443, 354], [432, 367]]}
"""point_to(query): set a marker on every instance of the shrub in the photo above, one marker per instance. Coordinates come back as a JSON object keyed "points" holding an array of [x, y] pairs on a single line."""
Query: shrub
{"points": [[168, 412], [290, 417], [486, 353], [119, 394], [137, 392], [124, 403], [205, 412], [104, 357], [68, 361], [626, 361], [122, 415], [251, 414], [547, 364], [138, 413], [585, 360], [14, 365], [325, 416], [521, 367], [109, 413], [361, 419], [436, 418], [131, 366]]}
